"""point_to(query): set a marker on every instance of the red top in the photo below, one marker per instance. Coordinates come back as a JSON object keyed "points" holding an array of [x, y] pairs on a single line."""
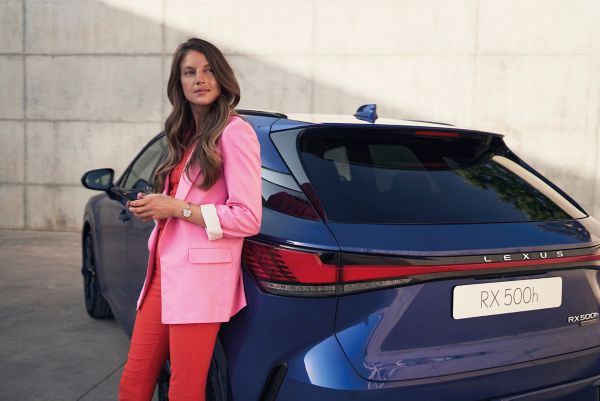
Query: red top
{"points": [[174, 178]]}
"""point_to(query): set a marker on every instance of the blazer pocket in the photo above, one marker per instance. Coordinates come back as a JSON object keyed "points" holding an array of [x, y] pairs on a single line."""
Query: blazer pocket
{"points": [[209, 255]]}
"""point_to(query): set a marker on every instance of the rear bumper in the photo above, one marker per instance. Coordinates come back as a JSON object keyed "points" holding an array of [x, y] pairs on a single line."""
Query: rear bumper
{"points": [[574, 376], [274, 330], [586, 389]]}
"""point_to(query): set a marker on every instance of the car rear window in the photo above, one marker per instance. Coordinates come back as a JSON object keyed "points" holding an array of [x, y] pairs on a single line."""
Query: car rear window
{"points": [[391, 176]]}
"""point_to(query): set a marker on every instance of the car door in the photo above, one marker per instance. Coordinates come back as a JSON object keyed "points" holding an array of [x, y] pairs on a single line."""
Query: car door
{"points": [[140, 177], [111, 242]]}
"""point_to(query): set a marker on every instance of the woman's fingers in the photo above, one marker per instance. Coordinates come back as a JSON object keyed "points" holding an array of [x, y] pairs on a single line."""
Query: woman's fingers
{"points": [[150, 206], [139, 202], [145, 199], [140, 205], [138, 211], [144, 215], [144, 211]]}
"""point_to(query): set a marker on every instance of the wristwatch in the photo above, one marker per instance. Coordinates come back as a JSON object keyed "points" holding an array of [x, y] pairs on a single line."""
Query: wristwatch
{"points": [[187, 212]]}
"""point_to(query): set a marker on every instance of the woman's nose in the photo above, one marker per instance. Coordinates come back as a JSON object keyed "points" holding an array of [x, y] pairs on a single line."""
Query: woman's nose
{"points": [[200, 77]]}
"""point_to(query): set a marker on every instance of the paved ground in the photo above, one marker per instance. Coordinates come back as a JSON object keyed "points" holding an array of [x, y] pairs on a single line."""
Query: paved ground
{"points": [[50, 349]]}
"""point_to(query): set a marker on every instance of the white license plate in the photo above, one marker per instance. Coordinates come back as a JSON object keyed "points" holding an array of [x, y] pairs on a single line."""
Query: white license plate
{"points": [[506, 297]]}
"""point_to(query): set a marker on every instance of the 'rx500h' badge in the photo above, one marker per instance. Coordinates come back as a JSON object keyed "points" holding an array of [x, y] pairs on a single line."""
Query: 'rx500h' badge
{"points": [[584, 319]]}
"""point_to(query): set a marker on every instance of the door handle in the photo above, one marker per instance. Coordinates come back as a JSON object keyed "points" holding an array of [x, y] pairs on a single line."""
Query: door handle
{"points": [[124, 216]]}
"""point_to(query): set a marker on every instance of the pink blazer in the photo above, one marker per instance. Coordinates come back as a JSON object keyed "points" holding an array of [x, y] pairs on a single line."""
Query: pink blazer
{"points": [[201, 273]]}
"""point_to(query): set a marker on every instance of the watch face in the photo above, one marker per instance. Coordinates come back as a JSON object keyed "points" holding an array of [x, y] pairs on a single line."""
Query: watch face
{"points": [[187, 212]]}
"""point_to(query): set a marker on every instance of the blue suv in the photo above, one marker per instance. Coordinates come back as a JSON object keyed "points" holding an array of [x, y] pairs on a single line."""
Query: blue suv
{"points": [[397, 260]]}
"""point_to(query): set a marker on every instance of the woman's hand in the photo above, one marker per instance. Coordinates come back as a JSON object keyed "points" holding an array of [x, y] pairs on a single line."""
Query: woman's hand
{"points": [[154, 206]]}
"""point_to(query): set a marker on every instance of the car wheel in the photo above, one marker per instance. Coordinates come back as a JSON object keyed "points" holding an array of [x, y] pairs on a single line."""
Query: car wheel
{"points": [[95, 304], [214, 391], [162, 385]]}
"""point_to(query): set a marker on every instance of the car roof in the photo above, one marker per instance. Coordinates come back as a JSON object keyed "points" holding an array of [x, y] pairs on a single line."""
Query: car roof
{"points": [[284, 121], [345, 119]]}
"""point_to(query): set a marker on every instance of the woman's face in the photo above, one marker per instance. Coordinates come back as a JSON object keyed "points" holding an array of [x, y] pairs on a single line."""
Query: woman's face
{"points": [[200, 87]]}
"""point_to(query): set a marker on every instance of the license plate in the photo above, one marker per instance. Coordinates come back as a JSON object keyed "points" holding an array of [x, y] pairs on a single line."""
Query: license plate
{"points": [[489, 299]]}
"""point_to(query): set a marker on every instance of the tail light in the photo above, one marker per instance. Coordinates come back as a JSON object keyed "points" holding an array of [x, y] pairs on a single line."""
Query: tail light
{"points": [[291, 272]]}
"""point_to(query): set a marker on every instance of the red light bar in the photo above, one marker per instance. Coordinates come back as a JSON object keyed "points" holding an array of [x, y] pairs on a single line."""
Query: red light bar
{"points": [[439, 134], [367, 272]]}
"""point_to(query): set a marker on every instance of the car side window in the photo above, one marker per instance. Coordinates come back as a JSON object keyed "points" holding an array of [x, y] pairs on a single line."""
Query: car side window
{"points": [[141, 173]]}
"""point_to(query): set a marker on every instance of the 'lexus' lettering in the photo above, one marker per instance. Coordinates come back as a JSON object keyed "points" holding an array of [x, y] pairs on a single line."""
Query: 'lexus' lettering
{"points": [[510, 257]]}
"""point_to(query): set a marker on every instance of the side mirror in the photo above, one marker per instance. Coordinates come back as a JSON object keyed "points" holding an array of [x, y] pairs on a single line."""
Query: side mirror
{"points": [[98, 180]]}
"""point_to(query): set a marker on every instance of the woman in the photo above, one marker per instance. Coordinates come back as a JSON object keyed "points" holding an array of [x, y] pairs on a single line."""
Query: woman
{"points": [[208, 199]]}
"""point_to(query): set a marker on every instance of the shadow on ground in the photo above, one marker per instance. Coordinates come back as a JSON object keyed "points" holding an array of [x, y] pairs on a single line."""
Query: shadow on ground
{"points": [[50, 349]]}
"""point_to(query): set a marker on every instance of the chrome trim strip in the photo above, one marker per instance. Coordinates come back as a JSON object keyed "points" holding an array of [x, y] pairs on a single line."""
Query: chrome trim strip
{"points": [[281, 179]]}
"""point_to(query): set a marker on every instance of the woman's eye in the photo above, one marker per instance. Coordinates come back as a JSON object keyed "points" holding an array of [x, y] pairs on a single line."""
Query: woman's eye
{"points": [[188, 73]]}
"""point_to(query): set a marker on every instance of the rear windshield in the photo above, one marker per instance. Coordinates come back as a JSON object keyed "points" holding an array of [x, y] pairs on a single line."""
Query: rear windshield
{"points": [[393, 177]]}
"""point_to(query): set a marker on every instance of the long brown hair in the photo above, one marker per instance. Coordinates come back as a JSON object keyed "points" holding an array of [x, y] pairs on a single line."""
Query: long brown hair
{"points": [[181, 121]]}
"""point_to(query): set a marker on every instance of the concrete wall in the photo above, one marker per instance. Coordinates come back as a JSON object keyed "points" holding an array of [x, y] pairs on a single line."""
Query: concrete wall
{"points": [[83, 81]]}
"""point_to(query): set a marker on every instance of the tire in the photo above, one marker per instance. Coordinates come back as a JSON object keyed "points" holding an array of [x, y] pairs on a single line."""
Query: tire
{"points": [[214, 390], [95, 304], [162, 385]]}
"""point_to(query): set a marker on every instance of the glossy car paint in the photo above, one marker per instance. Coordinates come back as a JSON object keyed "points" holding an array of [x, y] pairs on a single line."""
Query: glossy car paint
{"points": [[393, 343]]}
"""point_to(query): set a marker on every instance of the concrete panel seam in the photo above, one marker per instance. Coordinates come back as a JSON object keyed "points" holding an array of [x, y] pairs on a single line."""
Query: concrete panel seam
{"points": [[64, 120], [155, 54], [51, 185], [101, 381], [476, 46], [514, 54], [12, 120], [12, 184], [24, 43], [312, 59], [95, 55], [597, 157], [163, 45], [474, 61]]}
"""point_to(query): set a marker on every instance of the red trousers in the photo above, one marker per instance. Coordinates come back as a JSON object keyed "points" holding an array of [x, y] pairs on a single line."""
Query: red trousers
{"points": [[189, 346]]}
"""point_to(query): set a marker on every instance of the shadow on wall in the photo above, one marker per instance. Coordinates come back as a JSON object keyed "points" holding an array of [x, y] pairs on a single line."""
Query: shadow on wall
{"points": [[94, 96]]}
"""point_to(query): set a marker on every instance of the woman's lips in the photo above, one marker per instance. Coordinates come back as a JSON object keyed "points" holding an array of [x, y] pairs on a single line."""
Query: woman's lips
{"points": [[201, 91]]}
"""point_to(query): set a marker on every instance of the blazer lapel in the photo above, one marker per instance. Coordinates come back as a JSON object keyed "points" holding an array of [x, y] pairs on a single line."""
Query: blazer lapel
{"points": [[184, 183]]}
